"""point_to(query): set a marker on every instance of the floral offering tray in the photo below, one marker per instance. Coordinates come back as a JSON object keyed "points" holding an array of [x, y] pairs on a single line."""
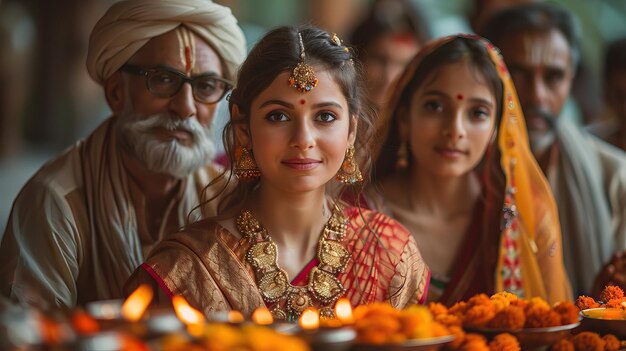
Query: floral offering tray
{"points": [[605, 320], [530, 338], [409, 345]]}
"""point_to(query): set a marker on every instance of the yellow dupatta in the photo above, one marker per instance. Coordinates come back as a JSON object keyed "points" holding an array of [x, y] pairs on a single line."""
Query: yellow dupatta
{"points": [[529, 187]]}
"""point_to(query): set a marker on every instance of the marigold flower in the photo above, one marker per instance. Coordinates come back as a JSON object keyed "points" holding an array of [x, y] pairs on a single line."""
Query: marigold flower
{"points": [[615, 303], [474, 342], [588, 341], [449, 320], [504, 342], [611, 292], [584, 302], [458, 309], [459, 337], [480, 299], [503, 299], [563, 345], [511, 318], [437, 308], [479, 315], [537, 317], [611, 342], [537, 303], [567, 311]]}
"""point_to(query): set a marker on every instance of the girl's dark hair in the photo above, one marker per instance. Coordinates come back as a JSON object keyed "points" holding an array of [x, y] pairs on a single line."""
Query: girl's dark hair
{"points": [[458, 49], [277, 52]]}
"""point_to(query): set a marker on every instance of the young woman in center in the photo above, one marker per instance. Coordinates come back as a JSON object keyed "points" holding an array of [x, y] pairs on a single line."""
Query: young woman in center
{"points": [[282, 239], [454, 167]]}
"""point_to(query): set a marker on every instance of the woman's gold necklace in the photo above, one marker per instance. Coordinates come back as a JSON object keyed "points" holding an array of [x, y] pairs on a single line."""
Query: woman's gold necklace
{"points": [[323, 288]]}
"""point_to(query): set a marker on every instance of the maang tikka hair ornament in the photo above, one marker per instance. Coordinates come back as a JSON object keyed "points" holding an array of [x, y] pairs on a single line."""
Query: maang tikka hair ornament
{"points": [[303, 76]]}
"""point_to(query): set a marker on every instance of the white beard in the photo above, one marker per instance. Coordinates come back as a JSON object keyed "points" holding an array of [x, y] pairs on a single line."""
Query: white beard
{"points": [[170, 157], [540, 141]]}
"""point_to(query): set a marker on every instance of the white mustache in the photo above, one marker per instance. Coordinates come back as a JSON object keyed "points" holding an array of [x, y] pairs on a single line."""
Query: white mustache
{"points": [[190, 125]]}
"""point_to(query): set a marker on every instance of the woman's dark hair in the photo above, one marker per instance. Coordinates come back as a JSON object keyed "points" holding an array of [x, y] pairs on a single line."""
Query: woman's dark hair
{"points": [[277, 52], [459, 49], [389, 17]]}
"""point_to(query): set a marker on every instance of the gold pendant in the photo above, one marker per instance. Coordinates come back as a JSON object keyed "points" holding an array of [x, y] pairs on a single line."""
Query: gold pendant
{"points": [[333, 256], [279, 313], [327, 313], [324, 286], [262, 255], [299, 300], [250, 226], [273, 285]]}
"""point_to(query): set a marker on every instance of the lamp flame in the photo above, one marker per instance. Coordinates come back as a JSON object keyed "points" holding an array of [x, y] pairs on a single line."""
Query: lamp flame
{"points": [[185, 312], [235, 317], [343, 311], [262, 316], [310, 319], [136, 304]]}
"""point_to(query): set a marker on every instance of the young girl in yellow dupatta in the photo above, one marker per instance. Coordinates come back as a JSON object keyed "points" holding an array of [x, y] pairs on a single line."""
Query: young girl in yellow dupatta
{"points": [[298, 125], [454, 167]]}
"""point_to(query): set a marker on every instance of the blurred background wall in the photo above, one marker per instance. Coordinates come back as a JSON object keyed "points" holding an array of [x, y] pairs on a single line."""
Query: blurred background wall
{"points": [[48, 101]]}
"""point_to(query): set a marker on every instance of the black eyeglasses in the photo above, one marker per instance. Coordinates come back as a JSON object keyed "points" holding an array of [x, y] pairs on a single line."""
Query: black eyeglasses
{"points": [[165, 82]]}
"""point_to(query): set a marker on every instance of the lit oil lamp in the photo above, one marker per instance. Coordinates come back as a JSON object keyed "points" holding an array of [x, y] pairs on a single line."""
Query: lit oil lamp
{"points": [[235, 317], [327, 337], [262, 316], [343, 311], [137, 303], [193, 319], [105, 310], [119, 315]]}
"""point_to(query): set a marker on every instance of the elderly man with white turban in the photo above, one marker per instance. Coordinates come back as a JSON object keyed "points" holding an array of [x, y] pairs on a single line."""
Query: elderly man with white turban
{"points": [[86, 220]]}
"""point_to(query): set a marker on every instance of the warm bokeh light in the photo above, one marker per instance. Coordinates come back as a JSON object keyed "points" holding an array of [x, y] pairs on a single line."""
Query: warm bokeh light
{"points": [[310, 319], [343, 311], [84, 323], [136, 304], [185, 312], [235, 317], [262, 316]]}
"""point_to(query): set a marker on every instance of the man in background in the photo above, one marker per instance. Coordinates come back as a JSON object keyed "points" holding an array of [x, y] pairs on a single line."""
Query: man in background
{"points": [[539, 43], [86, 219]]}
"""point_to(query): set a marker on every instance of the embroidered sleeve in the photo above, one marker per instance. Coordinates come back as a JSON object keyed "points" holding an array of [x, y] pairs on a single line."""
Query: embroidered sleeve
{"points": [[409, 284]]}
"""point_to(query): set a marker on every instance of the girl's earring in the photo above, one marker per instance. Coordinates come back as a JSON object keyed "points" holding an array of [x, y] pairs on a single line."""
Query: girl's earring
{"points": [[245, 165], [349, 172], [402, 158]]}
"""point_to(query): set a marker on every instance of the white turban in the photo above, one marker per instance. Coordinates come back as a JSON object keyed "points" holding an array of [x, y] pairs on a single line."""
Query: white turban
{"points": [[129, 24]]}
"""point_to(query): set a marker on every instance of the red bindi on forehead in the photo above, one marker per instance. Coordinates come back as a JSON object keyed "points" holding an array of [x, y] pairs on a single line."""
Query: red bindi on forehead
{"points": [[459, 97], [302, 101]]}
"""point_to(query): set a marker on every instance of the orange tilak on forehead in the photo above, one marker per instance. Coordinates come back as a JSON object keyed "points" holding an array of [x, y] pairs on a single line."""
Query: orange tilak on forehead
{"points": [[187, 47]]}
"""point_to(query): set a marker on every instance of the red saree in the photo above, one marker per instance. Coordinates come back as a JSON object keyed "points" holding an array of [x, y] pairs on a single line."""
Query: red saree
{"points": [[206, 264]]}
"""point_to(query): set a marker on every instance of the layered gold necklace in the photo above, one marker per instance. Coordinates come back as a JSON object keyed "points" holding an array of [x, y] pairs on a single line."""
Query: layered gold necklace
{"points": [[323, 288]]}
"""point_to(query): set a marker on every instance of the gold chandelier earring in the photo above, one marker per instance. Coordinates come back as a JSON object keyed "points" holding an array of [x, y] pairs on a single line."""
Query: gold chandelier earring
{"points": [[402, 157], [245, 165], [349, 172]]}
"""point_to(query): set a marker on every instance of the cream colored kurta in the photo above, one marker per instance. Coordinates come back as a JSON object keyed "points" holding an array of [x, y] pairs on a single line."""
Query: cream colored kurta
{"points": [[589, 185], [77, 229]]}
